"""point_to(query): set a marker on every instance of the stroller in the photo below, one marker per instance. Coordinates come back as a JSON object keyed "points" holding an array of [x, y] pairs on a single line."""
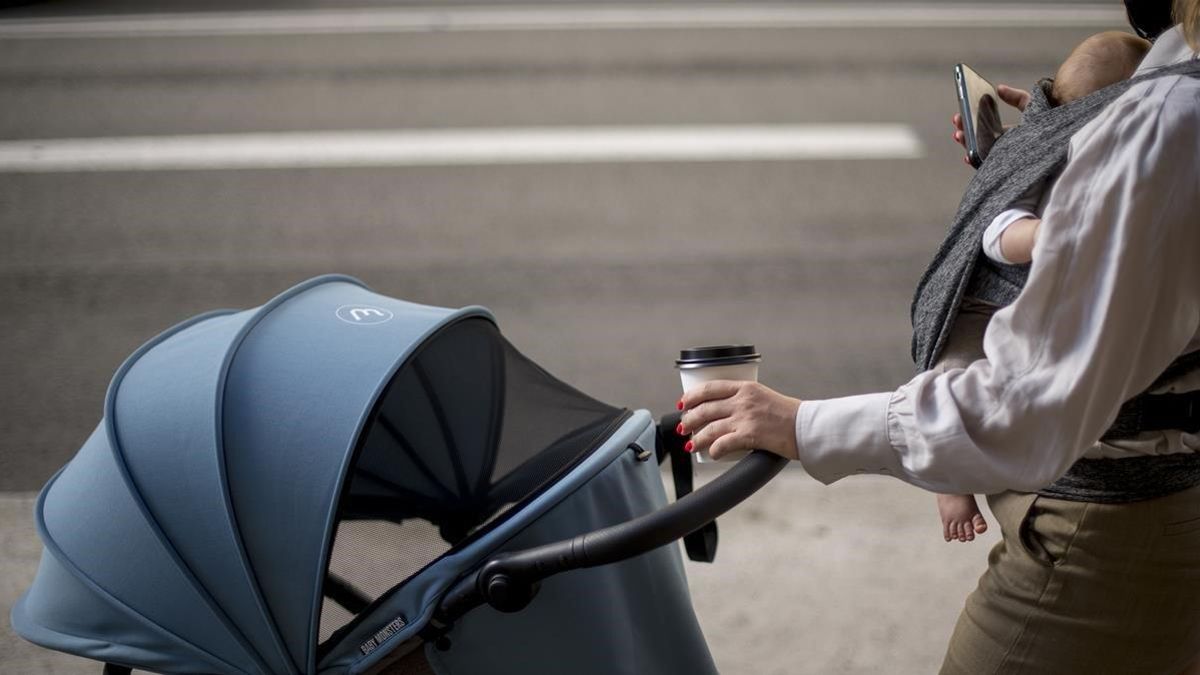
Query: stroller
{"points": [[342, 482]]}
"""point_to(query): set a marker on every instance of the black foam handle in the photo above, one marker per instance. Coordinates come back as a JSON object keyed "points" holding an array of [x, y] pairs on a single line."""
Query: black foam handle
{"points": [[508, 581]]}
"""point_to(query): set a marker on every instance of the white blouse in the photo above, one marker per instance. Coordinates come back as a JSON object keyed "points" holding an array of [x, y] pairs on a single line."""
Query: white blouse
{"points": [[1113, 297]]}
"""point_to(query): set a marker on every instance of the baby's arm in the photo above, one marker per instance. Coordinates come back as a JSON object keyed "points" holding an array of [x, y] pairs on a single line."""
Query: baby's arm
{"points": [[1017, 240], [1010, 236]]}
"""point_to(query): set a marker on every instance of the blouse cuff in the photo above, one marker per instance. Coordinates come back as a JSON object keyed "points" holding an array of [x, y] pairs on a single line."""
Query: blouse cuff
{"points": [[842, 436]]}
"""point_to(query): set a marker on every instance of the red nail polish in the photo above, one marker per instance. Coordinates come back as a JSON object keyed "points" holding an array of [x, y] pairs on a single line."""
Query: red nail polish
{"points": [[687, 447], [679, 405], [679, 428]]}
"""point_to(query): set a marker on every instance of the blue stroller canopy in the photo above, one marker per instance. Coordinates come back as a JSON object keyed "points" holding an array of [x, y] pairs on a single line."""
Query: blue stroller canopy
{"points": [[269, 489]]}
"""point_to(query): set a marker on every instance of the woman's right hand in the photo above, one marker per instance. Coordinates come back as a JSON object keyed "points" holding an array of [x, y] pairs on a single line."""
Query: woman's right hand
{"points": [[1017, 98]]}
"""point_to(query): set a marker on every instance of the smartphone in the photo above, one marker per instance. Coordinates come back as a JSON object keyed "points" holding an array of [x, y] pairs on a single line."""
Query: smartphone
{"points": [[979, 105]]}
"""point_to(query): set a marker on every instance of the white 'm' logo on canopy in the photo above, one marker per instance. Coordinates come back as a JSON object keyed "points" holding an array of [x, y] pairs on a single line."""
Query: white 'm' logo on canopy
{"points": [[363, 315]]}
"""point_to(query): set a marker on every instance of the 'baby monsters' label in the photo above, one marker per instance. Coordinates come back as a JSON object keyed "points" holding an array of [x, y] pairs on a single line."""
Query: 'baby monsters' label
{"points": [[382, 636]]}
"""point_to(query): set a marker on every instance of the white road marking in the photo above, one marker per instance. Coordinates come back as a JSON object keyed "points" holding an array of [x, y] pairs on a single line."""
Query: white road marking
{"points": [[580, 17], [546, 145]]}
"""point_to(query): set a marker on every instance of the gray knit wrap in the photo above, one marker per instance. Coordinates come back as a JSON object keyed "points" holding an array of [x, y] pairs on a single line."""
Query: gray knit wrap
{"points": [[1023, 156]]}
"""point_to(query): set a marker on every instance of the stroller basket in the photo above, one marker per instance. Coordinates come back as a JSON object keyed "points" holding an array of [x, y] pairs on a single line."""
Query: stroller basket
{"points": [[318, 485]]}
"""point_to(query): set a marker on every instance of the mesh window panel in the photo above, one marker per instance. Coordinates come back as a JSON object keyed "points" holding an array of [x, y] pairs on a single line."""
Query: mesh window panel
{"points": [[467, 430]]}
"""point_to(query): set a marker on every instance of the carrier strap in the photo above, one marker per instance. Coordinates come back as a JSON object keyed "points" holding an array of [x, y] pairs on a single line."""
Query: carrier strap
{"points": [[701, 545], [1156, 412], [1130, 479]]}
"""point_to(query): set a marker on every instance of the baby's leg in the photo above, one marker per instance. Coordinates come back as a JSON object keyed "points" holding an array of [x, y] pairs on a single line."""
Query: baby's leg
{"points": [[961, 518]]}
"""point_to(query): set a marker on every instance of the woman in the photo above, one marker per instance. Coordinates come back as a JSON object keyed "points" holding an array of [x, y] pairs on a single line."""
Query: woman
{"points": [[1079, 584]]}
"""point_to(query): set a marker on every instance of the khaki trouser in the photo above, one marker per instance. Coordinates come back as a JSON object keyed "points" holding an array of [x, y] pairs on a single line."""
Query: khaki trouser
{"points": [[1085, 588]]}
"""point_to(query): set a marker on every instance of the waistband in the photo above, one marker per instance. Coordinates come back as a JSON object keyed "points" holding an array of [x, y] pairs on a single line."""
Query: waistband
{"points": [[1132, 479]]}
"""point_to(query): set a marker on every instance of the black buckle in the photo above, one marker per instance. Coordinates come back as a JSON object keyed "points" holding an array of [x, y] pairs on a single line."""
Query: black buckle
{"points": [[1171, 411]]}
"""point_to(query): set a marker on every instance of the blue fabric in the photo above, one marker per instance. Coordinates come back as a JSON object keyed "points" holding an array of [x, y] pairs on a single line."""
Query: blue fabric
{"points": [[95, 625], [628, 618], [200, 511], [185, 488], [98, 528]]}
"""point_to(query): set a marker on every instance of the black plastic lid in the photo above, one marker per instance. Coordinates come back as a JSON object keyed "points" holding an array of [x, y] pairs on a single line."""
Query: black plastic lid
{"points": [[717, 355]]}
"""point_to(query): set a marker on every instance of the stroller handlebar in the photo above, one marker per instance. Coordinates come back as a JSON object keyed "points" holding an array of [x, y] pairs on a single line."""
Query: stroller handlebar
{"points": [[508, 581]]}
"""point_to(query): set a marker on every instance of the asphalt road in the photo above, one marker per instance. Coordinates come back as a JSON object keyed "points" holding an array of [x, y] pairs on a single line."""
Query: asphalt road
{"points": [[599, 272]]}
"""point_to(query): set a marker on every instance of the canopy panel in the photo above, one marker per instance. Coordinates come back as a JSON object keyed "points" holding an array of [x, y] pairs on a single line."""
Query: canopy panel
{"points": [[168, 430], [201, 510], [300, 387], [97, 529]]}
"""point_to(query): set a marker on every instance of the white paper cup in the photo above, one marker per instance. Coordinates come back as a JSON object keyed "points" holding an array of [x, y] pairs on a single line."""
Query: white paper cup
{"points": [[718, 362]]}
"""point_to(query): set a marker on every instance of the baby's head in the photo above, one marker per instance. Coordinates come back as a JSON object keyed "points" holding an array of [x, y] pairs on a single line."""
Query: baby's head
{"points": [[1101, 60]]}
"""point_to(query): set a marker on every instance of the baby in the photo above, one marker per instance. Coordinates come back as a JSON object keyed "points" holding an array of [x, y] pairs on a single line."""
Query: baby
{"points": [[1099, 61]]}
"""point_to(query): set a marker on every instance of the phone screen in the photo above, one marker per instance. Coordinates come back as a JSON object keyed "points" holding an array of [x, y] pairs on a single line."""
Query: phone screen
{"points": [[978, 103]]}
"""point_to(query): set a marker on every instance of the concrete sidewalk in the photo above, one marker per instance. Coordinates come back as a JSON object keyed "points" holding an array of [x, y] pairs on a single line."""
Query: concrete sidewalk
{"points": [[852, 578]]}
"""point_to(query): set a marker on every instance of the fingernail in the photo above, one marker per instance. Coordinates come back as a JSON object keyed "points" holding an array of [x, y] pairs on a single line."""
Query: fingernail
{"points": [[679, 405], [687, 447], [679, 428]]}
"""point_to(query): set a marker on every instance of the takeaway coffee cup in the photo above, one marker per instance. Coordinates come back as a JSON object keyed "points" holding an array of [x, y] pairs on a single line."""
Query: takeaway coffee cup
{"points": [[717, 362]]}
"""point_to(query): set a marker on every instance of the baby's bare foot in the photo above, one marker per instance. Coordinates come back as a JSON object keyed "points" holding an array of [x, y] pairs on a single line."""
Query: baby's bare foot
{"points": [[961, 518]]}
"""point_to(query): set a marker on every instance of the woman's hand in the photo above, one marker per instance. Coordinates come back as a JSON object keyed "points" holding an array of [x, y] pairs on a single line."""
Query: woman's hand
{"points": [[1017, 98], [725, 416]]}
